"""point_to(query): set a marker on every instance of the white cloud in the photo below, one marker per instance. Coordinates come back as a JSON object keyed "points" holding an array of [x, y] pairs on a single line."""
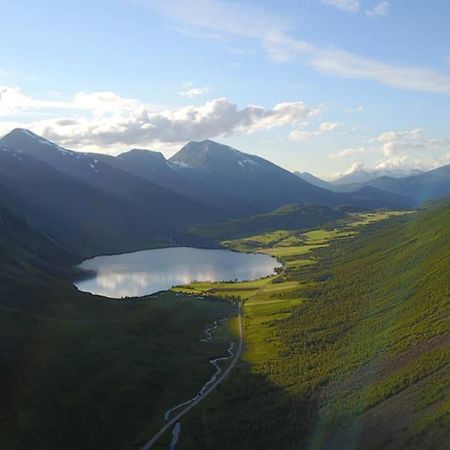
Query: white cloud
{"points": [[191, 91], [301, 136], [305, 135], [274, 34], [347, 65], [326, 127], [408, 150], [357, 166], [409, 141], [351, 6], [100, 119], [402, 153], [379, 10], [351, 151], [404, 163], [13, 101]]}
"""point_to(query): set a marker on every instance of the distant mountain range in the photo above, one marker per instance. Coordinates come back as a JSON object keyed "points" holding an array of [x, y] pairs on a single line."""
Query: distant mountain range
{"points": [[364, 176], [94, 203], [225, 178], [417, 187], [316, 181], [237, 183]]}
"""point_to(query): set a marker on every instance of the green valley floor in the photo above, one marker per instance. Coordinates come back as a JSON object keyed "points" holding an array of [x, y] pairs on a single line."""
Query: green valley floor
{"points": [[348, 347]]}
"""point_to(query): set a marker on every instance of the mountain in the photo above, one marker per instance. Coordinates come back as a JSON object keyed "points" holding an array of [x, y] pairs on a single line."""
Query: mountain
{"points": [[364, 176], [94, 203], [245, 184], [151, 166], [431, 185], [26, 254], [238, 183], [310, 178], [242, 184], [289, 217], [64, 354], [420, 188], [87, 204], [101, 171]]}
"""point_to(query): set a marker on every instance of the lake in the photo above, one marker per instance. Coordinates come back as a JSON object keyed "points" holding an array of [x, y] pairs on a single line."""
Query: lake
{"points": [[149, 271]]}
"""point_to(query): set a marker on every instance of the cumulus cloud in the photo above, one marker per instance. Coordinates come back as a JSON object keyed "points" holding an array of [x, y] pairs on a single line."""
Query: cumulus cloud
{"points": [[305, 135], [351, 6], [190, 91], [326, 127], [398, 153], [107, 119], [403, 163], [357, 166], [351, 151], [398, 142], [13, 100], [379, 10], [405, 151]]}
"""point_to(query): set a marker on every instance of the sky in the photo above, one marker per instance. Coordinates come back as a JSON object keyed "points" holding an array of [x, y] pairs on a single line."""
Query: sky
{"points": [[325, 86]]}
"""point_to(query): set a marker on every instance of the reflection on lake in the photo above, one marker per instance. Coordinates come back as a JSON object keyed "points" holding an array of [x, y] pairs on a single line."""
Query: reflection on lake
{"points": [[142, 273]]}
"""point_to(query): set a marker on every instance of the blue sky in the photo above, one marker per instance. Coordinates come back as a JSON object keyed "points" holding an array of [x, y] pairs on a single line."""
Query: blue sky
{"points": [[320, 85]]}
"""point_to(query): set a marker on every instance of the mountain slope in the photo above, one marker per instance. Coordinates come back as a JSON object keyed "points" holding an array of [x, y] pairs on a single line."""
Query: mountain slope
{"points": [[365, 176], [310, 178], [349, 347], [243, 184], [64, 355], [420, 188], [238, 183], [290, 217], [151, 166], [90, 206]]}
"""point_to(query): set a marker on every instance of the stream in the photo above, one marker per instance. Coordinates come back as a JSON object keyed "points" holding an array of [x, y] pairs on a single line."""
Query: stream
{"points": [[209, 337]]}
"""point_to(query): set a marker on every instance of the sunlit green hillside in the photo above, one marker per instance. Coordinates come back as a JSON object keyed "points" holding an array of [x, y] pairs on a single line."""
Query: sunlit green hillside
{"points": [[348, 347]]}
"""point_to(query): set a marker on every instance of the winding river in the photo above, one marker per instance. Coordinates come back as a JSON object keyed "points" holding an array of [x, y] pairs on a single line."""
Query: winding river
{"points": [[209, 333], [216, 378]]}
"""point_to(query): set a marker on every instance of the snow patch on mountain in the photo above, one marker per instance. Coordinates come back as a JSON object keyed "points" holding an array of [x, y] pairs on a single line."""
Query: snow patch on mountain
{"points": [[180, 165]]}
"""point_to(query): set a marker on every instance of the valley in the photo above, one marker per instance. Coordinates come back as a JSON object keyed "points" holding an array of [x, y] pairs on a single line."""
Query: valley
{"points": [[324, 347], [225, 225], [352, 326]]}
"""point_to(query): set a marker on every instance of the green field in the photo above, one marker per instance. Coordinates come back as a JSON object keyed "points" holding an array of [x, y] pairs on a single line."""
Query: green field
{"points": [[352, 331]]}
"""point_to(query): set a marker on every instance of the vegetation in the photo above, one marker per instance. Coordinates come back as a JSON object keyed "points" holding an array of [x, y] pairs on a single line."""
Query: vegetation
{"points": [[79, 371], [346, 347], [348, 350], [290, 217], [93, 373]]}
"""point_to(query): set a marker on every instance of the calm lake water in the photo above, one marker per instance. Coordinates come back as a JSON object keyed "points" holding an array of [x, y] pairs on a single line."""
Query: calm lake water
{"points": [[142, 273]]}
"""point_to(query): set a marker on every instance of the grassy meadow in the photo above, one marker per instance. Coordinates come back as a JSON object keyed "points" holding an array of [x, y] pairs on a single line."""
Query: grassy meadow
{"points": [[354, 329]]}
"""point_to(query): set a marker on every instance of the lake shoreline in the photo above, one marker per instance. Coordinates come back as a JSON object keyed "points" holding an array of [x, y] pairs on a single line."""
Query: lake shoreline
{"points": [[142, 273]]}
